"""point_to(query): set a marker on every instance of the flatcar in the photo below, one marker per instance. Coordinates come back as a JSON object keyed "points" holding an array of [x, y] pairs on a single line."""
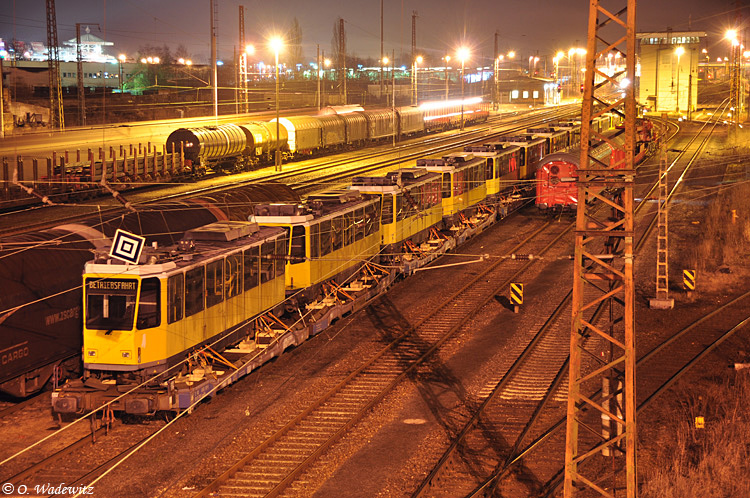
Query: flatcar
{"points": [[323, 244]]}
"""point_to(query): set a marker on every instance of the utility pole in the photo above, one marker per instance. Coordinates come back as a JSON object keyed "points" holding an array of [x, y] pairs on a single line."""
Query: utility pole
{"points": [[496, 89], [214, 6], [242, 72], [2, 102], [381, 48], [414, 54], [56, 117], [79, 79], [342, 58], [317, 61], [603, 270]]}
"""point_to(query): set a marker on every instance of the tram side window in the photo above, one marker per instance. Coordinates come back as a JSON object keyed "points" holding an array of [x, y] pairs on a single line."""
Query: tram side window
{"points": [[233, 275], [194, 290], [149, 304], [371, 219], [251, 267], [175, 297], [459, 177], [359, 224], [337, 232], [490, 168], [348, 228], [326, 237], [282, 249], [436, 197], [399, 207], [297, 251], [282, 245], [417, 193], [267, 251], [387, 211], [446, 185], [214, 283], [314, 240]]}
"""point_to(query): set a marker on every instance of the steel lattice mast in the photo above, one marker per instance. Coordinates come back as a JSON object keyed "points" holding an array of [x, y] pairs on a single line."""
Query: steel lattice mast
{"points": [[604, 352], [56, 117]]}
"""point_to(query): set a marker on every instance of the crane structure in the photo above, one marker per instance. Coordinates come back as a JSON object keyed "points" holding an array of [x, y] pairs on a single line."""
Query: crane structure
{"points": [[602, 345], [56, 118]]}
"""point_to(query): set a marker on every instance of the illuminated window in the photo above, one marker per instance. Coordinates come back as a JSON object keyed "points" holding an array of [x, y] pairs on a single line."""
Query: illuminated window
{"points": [[536, 94], [514, 94], [526, 94]]}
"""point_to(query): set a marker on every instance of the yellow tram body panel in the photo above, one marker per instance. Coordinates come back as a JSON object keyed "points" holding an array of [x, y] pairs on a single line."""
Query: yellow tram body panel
{"points": [[156, 312], [329, 236], [410, 199], [464, 184]]}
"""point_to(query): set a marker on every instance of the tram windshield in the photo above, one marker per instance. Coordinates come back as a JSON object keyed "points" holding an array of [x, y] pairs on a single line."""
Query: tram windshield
{"points": [[110, 303]]}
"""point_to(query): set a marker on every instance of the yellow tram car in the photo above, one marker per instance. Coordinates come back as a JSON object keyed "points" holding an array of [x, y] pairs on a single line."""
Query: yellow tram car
{"points": [[410, 204], [502, 171], [143, 318], [331, 235], [463, 185]]}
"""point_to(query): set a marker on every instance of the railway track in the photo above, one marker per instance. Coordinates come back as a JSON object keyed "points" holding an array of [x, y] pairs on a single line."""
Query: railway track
{"points": [[304, 177], [85, 458], [457, 468], [276, 463]]}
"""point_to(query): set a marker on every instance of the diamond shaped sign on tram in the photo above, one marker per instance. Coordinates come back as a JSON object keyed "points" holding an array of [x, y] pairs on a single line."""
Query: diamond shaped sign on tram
{"points": [[127, 246]]}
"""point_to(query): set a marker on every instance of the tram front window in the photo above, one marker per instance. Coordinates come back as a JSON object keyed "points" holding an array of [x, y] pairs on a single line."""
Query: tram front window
{"points": [[110, 303]]}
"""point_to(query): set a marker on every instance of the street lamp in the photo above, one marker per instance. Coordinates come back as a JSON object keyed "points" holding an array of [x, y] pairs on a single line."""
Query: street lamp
{"points": [[463, 54], [326, 63], [417, 61], [249, 50], [498, 60], [678, 52], [277, 44]]}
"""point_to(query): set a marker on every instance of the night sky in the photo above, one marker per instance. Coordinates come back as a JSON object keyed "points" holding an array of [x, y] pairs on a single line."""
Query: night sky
{"points": [[527, 26]]}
